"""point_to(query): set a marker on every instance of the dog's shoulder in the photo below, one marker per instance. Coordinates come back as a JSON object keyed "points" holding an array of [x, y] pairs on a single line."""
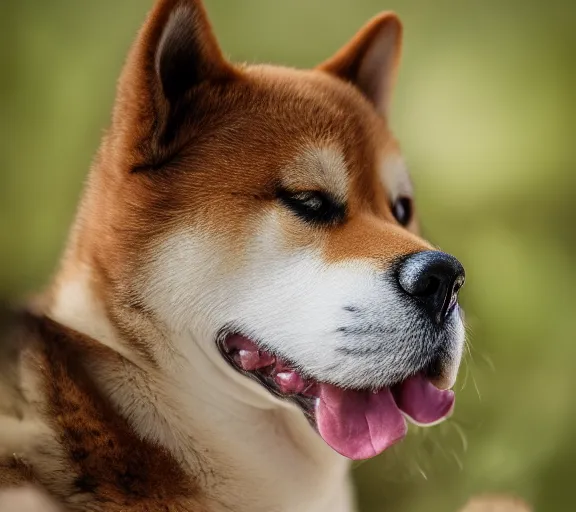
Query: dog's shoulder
{"points": [[22, 427], [58, 429], [13, 340]]}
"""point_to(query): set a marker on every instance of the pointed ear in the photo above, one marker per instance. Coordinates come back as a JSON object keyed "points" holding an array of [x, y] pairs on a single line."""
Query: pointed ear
{"points": [[186, 52], [370, 60], [174, 55]]}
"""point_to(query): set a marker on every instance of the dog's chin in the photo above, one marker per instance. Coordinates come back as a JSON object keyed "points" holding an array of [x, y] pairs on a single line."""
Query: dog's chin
{"points": [[357, 423]]}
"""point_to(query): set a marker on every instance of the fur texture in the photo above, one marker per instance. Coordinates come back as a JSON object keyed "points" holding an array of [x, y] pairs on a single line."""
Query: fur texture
{"points": [[224, 198]]}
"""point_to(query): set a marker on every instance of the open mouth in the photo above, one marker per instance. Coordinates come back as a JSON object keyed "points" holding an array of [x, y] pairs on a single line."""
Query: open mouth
{"points": [[358, 424]]}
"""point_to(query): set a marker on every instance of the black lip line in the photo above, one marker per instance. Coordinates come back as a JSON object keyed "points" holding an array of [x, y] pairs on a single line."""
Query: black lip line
{"points": [[306, 404], [225, 333]]}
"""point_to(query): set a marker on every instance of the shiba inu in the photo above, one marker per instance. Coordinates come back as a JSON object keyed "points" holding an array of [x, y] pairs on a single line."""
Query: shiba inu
{"points": [[244, 304]]}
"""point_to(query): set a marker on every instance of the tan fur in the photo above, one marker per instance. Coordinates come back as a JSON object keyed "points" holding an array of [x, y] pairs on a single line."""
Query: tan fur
{"points": [[26, 499]]}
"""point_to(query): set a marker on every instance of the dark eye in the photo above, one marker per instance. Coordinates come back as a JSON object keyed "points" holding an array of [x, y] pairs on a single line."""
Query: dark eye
{"points": [[402, 210], [313, 206]]}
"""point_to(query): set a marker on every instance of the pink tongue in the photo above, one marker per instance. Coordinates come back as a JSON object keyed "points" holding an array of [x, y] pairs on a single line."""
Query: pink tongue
{"points": [[358, 424], [362, 424], [422, 402]]}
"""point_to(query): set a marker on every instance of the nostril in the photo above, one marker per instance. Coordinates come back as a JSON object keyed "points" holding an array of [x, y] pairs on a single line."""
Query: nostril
{"points": [[430, 287]]}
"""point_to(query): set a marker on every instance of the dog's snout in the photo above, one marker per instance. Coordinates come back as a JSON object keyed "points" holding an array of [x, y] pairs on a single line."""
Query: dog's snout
{"points": [[434, 279]]}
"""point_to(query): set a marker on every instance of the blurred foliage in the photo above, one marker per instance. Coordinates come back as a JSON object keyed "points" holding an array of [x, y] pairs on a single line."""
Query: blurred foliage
{"points": [[485, 110]]}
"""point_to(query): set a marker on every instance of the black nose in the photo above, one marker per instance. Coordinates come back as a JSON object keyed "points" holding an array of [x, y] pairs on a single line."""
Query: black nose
{"points": [[434, 279]]}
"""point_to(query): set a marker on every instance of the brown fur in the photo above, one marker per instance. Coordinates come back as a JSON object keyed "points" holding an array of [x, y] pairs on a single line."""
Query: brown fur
{"points": [[144, 182], [106, 462]]}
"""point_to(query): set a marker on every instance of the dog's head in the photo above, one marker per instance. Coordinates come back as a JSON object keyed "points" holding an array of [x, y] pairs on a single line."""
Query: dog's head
{"points": [[266, 214]]}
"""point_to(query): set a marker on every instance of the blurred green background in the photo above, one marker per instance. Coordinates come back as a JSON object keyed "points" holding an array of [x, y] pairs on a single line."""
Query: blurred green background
{"points": [[485, 109]]}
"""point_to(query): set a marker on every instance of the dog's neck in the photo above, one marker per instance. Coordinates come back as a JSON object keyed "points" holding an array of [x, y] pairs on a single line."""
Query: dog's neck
{"points": [[247, 451]]}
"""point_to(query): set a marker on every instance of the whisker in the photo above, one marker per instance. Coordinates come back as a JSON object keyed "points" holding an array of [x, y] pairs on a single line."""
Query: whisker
{"points": [[476, 387], [462, 435], [488, 360], [421, 471], [466, 372], [458, 460]]}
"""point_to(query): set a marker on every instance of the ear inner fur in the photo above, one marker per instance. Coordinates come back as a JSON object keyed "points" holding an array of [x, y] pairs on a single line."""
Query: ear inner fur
{"points": [[174, 54], [370, 60], [188, 52]]}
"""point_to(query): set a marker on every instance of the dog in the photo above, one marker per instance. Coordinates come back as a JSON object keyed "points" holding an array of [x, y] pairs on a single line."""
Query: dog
{"points": [[245, 303]]}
